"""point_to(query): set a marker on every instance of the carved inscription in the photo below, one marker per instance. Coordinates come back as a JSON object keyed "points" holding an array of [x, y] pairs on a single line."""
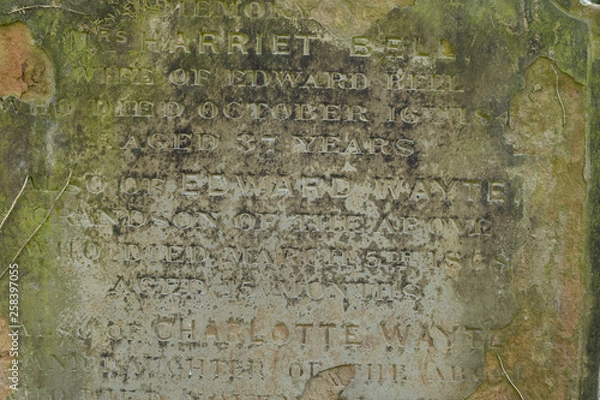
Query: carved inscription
{"points": [[274, 203]]}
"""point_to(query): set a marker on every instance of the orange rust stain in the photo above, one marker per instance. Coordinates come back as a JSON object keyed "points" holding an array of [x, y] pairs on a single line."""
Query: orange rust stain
{"points": [[25, 70]]}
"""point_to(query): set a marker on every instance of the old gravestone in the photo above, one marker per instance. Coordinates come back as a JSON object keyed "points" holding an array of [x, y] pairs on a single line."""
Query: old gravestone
{"points": [[298, 199]]}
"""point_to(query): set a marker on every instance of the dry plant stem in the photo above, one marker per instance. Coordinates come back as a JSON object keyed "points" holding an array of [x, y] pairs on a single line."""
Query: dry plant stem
{"points": [[14, 203], [41, 224], [48, 6], [564, 112], [508, 378]]}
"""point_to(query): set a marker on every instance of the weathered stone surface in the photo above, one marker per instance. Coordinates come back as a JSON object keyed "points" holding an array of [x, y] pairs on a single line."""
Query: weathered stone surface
{"points": [[299, 199]]}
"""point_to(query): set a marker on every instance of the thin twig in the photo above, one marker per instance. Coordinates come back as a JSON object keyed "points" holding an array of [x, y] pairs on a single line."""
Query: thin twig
{"points": [[51, 6], [508, 377], [560, 98], [41, 224], [12, 206]]}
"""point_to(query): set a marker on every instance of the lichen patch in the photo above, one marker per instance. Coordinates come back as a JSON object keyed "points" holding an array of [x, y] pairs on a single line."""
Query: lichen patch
{"points": [[345, 19]]}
